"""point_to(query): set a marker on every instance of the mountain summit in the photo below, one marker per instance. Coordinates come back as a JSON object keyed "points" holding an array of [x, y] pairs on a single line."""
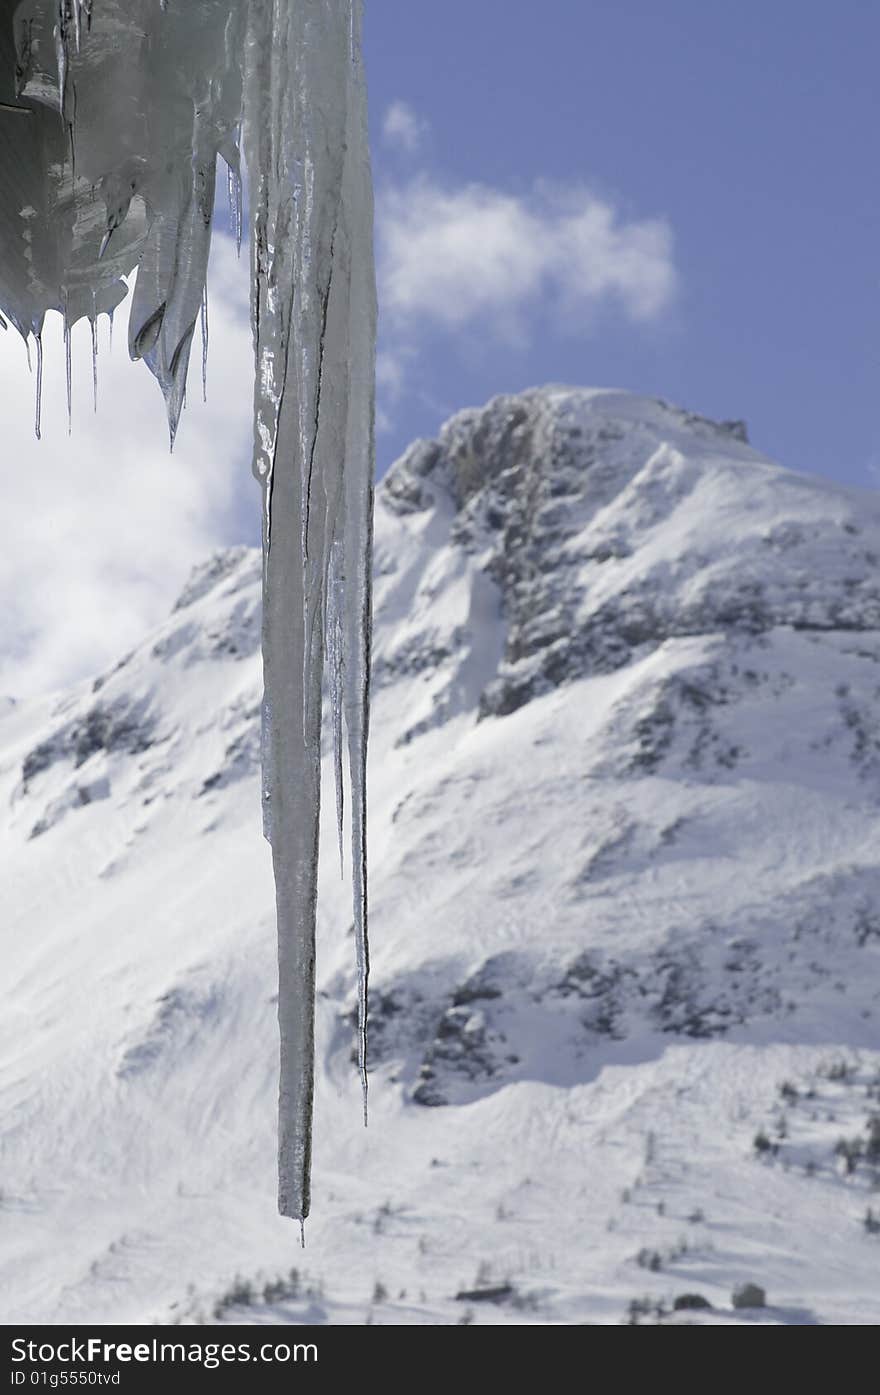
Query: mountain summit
{"points": [[626, 911]]}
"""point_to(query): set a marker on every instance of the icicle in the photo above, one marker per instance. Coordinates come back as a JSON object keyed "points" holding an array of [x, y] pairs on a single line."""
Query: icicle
{"points": [[204, 327], [238, 215], [38, 340], [234, 197], [61, 56], [150, 158], [311, 258], [335, 655], [93, 325], [68, 373], [357, 523]]}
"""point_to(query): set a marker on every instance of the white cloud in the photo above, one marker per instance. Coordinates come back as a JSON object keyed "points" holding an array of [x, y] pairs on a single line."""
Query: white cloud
{"points": [[490, 267], [392, 362], [475, 255], [390, 370], [403, 128], [101, 529]]}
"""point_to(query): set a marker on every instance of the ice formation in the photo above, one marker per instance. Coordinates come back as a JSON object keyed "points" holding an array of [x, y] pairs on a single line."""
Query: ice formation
{"points": [[112, 116]]}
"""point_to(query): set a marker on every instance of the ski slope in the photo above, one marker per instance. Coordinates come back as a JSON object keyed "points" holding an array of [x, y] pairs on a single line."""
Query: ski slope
{"points": [[624, 820]]}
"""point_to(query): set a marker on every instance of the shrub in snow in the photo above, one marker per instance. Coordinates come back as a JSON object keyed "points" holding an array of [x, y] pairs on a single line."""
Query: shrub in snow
{"points": [[749, 1296]]}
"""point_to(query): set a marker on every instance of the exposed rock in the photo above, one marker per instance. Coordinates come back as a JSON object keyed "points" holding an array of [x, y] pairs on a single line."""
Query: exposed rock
{"points": [[556, 492], [749, 1296], [180, 1013], [76, 797], [242, 758], [210, 574], [496, 1293], [123, 727]]}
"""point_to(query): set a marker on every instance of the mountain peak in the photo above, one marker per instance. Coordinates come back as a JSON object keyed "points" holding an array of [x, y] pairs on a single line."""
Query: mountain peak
{"points": [[609, 523], [209, 574], [479, 444]]}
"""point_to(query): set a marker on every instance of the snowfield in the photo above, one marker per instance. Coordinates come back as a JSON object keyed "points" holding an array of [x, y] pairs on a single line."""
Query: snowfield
{"points": [[624, 815]]}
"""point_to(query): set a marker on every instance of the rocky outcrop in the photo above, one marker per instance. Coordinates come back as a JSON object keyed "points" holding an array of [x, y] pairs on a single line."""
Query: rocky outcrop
{"points": [[585, 510]]}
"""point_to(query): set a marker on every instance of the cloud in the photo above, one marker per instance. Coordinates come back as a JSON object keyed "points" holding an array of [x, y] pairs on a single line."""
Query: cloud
{"points": [[475, 255], [101, 528], [403, 128], [395, 361], [392, 362], [491, 268], [390, 370]]}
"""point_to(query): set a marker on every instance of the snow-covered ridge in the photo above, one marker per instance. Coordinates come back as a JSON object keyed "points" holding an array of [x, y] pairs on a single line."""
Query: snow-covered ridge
{"points": [[611, 523], [624, 830]]}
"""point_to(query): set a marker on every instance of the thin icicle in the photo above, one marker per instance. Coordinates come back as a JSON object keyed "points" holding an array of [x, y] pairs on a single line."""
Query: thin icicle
{"points": [[239, 216], [204, 327], [335, 662], [68, 373], [61, 55], [38, 411], [93, 325], [234, 197], [357, 530], [230, 195]]}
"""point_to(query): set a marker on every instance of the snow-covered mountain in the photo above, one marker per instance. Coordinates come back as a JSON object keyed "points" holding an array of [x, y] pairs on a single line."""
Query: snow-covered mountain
{"points": [[625, 906]]}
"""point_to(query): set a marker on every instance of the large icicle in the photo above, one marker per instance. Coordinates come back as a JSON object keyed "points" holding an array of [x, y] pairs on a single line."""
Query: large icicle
{"points": [[313, 312], [112, 115]]}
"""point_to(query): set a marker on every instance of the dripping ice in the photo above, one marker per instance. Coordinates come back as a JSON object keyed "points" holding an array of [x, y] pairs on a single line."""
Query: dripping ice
{"points": [[108, 163], [313, 316]]}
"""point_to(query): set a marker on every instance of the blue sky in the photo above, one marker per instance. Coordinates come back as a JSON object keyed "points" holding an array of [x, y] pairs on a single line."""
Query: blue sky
{"points": [[680, 199], [750, 129]]}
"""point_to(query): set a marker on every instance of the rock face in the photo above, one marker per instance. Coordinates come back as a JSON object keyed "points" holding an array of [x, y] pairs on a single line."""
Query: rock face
{"points": [[749, 1296], [624, 821], [605, 522]]}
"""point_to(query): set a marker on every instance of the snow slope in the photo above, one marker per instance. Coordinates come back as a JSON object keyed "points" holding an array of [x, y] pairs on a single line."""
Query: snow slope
{"points": [[625, 898]]}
